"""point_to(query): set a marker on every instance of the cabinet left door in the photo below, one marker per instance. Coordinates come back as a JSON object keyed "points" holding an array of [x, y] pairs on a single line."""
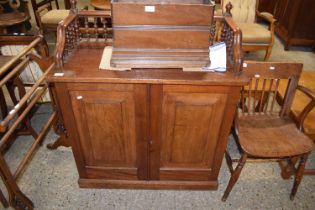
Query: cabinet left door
{"points": [[110, 131]]}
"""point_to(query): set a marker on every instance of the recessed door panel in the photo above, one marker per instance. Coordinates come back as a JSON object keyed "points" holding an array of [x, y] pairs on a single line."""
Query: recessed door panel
{"points": [[190, 131], [106, 123]]}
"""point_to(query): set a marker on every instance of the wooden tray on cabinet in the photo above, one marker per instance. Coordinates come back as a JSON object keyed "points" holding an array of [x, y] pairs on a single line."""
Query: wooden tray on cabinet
{"points": [[158, 34]]}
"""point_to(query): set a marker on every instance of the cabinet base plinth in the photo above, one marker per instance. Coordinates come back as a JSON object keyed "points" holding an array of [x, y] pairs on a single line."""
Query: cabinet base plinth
{"points": [[142, 184]]}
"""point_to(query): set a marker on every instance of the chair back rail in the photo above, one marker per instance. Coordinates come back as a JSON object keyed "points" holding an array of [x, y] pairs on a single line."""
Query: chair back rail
{"points": [[260, 95]]}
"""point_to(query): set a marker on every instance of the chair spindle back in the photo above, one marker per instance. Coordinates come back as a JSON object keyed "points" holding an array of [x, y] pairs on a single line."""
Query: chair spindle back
{"points": [[260, 95]]}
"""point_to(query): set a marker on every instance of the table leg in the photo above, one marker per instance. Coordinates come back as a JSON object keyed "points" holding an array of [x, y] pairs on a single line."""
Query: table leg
{"points": [[62, 140]]}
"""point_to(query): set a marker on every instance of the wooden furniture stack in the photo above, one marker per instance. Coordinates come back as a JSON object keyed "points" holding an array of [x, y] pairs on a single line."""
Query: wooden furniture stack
{"points": [[20, 114], [156, 128]]}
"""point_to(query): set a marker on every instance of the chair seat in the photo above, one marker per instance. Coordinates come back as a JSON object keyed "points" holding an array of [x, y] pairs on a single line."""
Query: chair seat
{"points": [[271, 137], [255, 33], [54, 16]]}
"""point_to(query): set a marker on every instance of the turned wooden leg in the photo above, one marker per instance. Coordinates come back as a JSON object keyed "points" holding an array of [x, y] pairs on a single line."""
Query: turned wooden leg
{"points": [[298, 175], [16, 198], [287, 167], [234, 176], [229, 161], [61, 141]]}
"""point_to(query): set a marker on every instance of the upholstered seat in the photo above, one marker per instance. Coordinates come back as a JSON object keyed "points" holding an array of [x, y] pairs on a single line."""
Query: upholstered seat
{"points": [[254, 33], [47, 16], [255, 37], [54, 16]]}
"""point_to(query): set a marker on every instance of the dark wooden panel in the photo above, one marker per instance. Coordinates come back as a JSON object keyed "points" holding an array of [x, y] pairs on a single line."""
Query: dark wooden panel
{"points": [[267, 6], [295, 24], [183, 38]]}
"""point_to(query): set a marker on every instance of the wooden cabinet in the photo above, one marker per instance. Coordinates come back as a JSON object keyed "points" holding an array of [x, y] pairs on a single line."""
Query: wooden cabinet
{"points": [[267, 6], [153, 127], [148, 135], [296, 19]]}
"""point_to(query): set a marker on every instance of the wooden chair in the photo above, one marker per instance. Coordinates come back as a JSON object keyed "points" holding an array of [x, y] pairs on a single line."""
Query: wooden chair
{"points": [[303, 112], [263, 128], [255, 36], [47, 17]]}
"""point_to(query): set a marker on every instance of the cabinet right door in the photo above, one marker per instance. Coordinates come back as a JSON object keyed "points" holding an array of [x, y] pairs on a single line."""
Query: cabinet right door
{"points": [[190, 119]]}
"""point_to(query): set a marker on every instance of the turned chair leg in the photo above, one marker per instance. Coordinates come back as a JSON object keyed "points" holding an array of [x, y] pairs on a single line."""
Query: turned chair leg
{"points": [[298, 175], [268, 53], [234, 176], [229, 161]]}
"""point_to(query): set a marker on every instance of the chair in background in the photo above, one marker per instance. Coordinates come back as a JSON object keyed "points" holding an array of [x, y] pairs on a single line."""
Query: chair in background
{"points": [[263, 128], [47, 17], [255, 36]]}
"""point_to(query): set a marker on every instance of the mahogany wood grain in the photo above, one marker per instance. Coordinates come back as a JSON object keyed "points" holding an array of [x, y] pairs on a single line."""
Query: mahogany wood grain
{"points": [[137, 29], [169, 13], [111, 144], [191, 124], [143, 139], [87, 70]]}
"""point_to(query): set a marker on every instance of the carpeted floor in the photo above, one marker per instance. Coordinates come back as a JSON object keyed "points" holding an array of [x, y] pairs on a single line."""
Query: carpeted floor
{"points": [[50, 179], [298, 54]]}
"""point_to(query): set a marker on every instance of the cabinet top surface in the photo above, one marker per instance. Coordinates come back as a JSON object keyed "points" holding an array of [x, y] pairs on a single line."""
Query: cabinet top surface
{"points": [[83, 66]]}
